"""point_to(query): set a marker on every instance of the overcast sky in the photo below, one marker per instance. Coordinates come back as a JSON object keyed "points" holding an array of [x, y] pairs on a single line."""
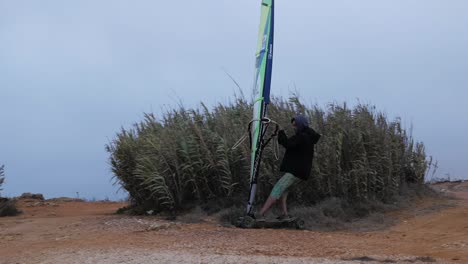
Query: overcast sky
{"points": [[73, 72]]}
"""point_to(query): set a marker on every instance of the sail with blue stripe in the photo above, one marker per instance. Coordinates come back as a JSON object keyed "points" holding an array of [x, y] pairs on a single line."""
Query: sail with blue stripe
{"points": [[262, 84]]}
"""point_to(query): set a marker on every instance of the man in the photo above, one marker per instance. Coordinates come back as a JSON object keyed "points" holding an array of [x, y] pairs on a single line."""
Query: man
{"points": [[296, 164]]}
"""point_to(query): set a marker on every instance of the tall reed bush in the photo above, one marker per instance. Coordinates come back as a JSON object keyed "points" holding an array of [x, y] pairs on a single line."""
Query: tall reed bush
{"points": [[185, 156]]}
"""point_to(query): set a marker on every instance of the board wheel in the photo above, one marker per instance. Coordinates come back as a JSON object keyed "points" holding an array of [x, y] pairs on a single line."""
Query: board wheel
{"points": [[248, 222], [300, 224]]}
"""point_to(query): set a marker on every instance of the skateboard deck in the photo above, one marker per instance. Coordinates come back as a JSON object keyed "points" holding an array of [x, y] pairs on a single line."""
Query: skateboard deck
{"points": [[250, 222]]}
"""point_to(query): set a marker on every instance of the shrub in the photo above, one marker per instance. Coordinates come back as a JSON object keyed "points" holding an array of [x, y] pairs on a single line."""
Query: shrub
{"points": [[185, 156], [2, 176], [7, 206]]}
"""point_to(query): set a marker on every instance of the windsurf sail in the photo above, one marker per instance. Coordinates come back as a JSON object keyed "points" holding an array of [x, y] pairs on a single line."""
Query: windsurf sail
{"points": [[263, 69]]}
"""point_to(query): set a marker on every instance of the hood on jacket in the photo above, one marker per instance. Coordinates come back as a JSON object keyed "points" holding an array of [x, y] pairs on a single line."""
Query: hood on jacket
{"points": [[301, 123]]}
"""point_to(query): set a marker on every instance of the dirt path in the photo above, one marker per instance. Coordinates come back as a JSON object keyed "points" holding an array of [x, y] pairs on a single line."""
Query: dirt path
{"points": [[80, 232]]}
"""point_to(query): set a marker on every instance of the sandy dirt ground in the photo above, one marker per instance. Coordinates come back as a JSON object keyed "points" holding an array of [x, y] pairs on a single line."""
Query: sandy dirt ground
{"points": [[69, 231]]}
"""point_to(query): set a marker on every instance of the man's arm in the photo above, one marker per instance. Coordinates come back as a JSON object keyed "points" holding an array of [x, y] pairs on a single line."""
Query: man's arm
{"points": [[293, 142], [315, 136]]}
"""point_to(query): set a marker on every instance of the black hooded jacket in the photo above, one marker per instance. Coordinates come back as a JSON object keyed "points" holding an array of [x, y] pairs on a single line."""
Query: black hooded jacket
{"points": [[299, 152]]}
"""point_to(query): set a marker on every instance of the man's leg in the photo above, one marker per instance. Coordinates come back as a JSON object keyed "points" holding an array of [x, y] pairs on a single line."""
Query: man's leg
{"points": [[284, 204], [278, 191], [269, 202]]}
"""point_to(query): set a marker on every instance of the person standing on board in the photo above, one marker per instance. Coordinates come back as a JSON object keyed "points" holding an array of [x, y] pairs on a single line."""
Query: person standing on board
{"points": [[296, 164]]}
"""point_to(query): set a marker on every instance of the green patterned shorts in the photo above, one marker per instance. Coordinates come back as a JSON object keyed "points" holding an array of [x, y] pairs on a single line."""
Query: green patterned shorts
{"points": [[282, 186]]}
